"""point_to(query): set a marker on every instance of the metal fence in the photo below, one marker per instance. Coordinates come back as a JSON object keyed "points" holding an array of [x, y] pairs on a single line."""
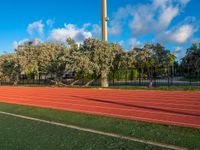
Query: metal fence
{"points": [[165, 76], [169, 76]]}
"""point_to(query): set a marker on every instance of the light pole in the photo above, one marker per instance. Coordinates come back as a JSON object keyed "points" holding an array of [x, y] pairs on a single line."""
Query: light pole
{"points": [[104, 73], [104, 21]]}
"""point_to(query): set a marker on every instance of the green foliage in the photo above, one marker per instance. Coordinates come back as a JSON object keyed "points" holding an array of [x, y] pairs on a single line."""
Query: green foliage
{"points": [[102, 54], [192, 59], [91, 59], [58, 62], [79, 60], [10, 68]]}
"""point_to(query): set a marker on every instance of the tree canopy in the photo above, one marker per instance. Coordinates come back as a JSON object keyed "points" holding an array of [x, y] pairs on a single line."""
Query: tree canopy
{"points": [[92, 58]]}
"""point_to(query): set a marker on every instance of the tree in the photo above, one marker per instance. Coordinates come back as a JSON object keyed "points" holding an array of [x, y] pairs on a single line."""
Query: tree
{"points": [[28, 59], [102, 54], [192, 59], [161, 55], [10, 68], [118, 60], [79, 62], [91, 60], [59, 57], [144, 61]]}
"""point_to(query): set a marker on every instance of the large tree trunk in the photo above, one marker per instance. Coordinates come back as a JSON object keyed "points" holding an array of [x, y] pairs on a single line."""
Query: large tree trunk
{"points": [[92, 81], [74, 82], [59, 83], [104, 79], [15, 83], [150, 83], [150, 78]]}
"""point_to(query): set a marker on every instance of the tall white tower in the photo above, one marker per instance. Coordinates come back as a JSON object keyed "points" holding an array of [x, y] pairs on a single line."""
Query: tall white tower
{"points": [[104, 21]]}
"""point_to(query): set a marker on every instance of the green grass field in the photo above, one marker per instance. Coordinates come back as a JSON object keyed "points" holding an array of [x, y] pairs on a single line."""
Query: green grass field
{"points": [[23, 134]]}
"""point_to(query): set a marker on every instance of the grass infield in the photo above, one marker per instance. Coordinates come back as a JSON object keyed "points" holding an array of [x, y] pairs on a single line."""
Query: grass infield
{"points": [[24, 134], [27, 135]]}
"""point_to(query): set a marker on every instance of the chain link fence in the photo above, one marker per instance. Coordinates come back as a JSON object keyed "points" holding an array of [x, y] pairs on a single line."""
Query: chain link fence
{"points": [[143, 76]]}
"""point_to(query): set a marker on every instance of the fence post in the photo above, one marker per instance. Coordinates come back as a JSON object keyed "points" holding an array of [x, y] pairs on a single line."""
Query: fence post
{"points": [[171, 74], [126, 76], [168, 74], [113, 77], [154, 76], [140, 76], [190, 75], [33, 79], [39, 78], [198, 78]]}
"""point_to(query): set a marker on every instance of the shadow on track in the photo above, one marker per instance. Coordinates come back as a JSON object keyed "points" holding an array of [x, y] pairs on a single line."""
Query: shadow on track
{"points": [[137, 106]]}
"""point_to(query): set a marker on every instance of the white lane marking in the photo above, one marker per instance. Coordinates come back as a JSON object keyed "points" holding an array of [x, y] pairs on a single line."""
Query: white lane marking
{"points": [[110, 115], [105, 107], [96, 132]]}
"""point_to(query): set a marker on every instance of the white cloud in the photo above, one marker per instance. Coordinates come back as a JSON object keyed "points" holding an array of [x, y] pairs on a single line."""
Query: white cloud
{"points": [[35, 41], [121, 43], [178, 49], [142, 21], [17, 43], [134, 43], [196, 40], [96, 30], [153, 17], [86, 25], [182, 34], [36, 26], [50, 22], [160, 3], [119, 19], [179, 35], [184, 2], [165, 3], [167, 16], [69, 31], [179, 52]]}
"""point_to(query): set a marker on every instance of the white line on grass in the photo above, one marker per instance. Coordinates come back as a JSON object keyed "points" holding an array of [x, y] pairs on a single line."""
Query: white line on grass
{"points": [[96, 132], [108, 114]]}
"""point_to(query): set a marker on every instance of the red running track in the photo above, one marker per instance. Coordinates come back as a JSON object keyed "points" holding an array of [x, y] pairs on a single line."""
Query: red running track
{"points": [[175, 108]]}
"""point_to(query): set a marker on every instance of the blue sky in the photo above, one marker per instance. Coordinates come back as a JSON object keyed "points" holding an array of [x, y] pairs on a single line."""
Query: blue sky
{"points": [[174, 23]]}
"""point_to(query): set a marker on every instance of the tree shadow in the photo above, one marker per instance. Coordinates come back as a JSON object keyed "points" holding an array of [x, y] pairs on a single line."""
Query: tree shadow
{"points": [[137, 106]]}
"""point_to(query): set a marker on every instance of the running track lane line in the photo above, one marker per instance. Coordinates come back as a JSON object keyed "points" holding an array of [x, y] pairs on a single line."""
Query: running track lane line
{"points": [[113, 115], [96, 132], [99, 105], [144, 103], [94, 92]]}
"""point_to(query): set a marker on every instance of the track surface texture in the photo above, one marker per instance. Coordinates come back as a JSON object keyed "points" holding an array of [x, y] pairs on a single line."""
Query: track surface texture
{"points": [[174, 108]]}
